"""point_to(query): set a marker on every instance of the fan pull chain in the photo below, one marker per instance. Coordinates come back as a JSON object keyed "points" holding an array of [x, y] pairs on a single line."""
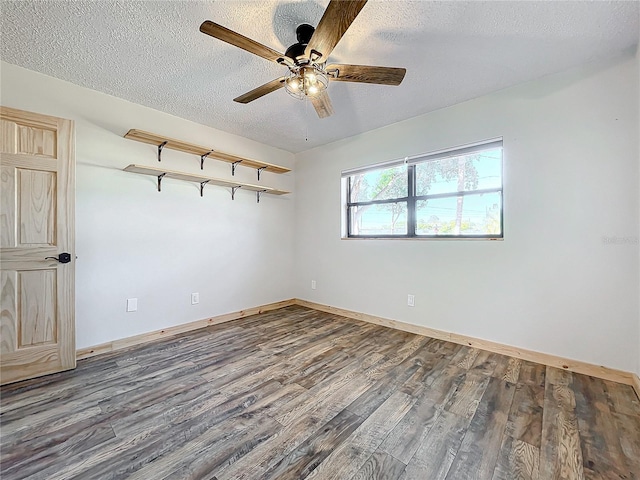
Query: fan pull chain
{"points": [[306, 119]]}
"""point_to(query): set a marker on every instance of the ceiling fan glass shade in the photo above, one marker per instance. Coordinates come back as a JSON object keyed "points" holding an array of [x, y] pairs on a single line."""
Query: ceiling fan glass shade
{"points": [[306, 82]]}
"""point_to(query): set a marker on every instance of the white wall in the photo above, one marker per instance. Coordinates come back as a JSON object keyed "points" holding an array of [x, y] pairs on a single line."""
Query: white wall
{"points": [[553, 285], [132, 241]]}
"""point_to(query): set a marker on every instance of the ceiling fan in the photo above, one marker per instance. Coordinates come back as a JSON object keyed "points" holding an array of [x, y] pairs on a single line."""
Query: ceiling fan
{"points": [[309, 74]]}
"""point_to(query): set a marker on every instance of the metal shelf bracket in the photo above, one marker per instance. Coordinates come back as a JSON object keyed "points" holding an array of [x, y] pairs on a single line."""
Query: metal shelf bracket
{"points": [[258, 193], [202, 184], [233, 191], [202, 157], [160, 147], [160, 181], [234, 165], [259, 170]]}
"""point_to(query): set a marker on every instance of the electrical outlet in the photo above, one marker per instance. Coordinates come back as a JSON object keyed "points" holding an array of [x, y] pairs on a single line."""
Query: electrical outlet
{"points": [[313, 284], [195, 298], [132, 304], [411, 300]]}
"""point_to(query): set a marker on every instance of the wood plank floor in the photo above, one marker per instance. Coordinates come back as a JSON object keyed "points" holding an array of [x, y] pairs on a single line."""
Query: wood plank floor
{"points": [[296, 393]]}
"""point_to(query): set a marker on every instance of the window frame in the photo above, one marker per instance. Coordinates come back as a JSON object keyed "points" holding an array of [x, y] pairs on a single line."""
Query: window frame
{"points": [[411, 199]]}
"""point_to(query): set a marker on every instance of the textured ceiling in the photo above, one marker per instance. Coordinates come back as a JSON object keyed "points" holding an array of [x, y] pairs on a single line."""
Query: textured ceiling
{"points": [[152, 53]]}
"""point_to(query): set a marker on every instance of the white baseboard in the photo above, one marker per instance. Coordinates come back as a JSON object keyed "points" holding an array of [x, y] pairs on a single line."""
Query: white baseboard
{"points": [[636, 384]]}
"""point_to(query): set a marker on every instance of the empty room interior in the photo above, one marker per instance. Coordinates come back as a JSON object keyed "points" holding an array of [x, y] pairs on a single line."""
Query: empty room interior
{"points": [[338, 240]]}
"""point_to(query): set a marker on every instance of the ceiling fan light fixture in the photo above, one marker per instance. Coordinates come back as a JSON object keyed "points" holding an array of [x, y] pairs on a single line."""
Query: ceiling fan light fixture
{"points": [[309, 74], [305, 81]]}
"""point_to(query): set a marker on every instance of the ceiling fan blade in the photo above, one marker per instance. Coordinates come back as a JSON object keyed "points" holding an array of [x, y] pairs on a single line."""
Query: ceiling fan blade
{"points": [[262, 90], [229, 36], [334, 23], [322, 103], [367, 74]]}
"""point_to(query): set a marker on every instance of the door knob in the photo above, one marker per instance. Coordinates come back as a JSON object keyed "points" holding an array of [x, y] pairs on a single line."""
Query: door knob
{"points": [[62, 258]]}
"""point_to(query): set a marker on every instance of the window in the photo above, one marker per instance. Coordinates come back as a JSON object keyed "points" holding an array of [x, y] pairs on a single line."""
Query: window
{"points": [[451, 194]]}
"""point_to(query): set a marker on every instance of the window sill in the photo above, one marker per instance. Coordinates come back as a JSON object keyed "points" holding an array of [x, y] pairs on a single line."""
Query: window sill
{"points": [[422, 239]]}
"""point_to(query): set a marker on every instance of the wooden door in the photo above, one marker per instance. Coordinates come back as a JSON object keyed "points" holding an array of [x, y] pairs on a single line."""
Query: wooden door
{"points": [[37, 161]]}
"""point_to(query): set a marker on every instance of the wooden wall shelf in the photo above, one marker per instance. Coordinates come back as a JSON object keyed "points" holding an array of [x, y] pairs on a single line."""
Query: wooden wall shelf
{"points": [[165, 142], [203, 180]]}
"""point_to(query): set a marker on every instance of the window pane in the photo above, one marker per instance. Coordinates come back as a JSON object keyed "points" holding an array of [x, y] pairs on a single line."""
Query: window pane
{"points": [[476, 171], [384, 219], [459, 215], [383, 184]]}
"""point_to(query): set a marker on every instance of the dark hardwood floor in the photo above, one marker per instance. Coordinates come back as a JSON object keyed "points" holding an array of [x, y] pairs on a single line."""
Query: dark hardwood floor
{"points": [[296, 393]]}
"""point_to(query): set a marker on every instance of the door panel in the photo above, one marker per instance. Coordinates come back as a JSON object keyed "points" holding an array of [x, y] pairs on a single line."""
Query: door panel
{"points": [[37, 207], [8, 319], [36, 317], [7, 206], [37, 324], [36, 141]]}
